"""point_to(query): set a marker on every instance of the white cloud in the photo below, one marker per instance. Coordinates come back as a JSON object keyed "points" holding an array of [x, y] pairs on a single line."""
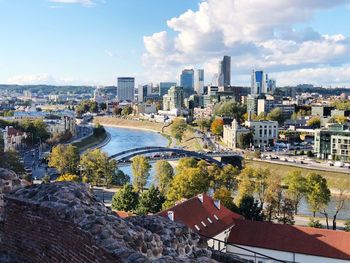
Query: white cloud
{"points": [[46, 79], [256, 33]]}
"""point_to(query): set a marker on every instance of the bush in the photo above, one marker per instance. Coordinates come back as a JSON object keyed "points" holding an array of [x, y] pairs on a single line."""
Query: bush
{"points": [[347, 225], [302, 152], [314, 223], [309, 154]]}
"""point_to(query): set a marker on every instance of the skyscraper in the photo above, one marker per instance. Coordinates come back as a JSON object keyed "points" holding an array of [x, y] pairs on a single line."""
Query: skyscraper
{"points": [[258, 85], [224, 72], [164, 87], [126, 89], [174, 99], [187, 79], [199, 81]]}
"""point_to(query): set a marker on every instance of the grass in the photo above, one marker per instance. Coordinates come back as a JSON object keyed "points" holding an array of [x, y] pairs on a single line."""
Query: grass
{"points": [[90, 141], [333, 178]]}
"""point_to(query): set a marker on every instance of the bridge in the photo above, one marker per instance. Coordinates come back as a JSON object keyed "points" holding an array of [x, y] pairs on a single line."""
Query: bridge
{"points": [[125, 156]]}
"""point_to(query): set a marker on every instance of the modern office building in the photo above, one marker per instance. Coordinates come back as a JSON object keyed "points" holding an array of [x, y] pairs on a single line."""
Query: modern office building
{"points": [[224, 71], [271, 86], [142, 93], [258, 85], [187, 79], [126, 89], [199, 81], [333, 142], [164, 87], [266, 105], [174, 99]]}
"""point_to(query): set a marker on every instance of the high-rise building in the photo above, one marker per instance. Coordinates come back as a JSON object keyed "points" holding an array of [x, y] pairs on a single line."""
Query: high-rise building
{"points": [[142, 93], [126, 89], [164, 87], [199, 81], [271, 86], [187, 79], [224, 71], [174, 99], [258, 85]]}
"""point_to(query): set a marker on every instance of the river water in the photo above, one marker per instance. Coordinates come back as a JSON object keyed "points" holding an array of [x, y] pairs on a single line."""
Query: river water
{"points": [[124, 139]]}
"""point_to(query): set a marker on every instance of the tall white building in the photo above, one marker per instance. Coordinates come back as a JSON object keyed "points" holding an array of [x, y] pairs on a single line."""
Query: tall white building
{"points": [[199, 81], [126, 89]]}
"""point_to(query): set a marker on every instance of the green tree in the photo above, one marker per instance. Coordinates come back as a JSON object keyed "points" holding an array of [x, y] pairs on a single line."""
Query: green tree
{"points": [[97, 167], [314, 122], [245, 184], [314, 223], [296, 188], [140, 170], [203, 124], [126, 199], [225, 197], [225, 177], [103, 106], [65, 159], [276, 115], [185, 163], [230, 109], [11, 160], [127, 110], [178, 128], [318, 195], [150, 201], [120, 178], [250, 208], [347, 225], [164, 174], [244, 140], [286, 213], [217, 127], [273, 197]]}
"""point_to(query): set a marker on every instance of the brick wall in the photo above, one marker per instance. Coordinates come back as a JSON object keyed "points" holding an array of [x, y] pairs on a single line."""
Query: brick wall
{"points": [[34, 234]]}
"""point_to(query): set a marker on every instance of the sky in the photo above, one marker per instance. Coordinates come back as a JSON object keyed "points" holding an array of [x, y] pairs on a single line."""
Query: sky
{"points": [[92, 42]]}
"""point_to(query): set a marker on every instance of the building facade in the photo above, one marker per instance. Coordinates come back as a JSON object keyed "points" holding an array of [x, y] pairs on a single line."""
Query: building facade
{"points": [[164, 87], [199, 81], [231, 134], [126, 89], [187, 79], [265, 133], [174, 99], [224, 71]]}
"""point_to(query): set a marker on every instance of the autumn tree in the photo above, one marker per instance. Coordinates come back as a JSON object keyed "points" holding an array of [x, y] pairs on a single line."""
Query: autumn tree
{"points": [[65, 158], [217, 127], [68, 178], [164, 173], [296, 188], [273, 196], [314, 122], [275, 115], [140, 170], [97, 167], [341, 197], [245, 185], [178, 128], [225, 197]]}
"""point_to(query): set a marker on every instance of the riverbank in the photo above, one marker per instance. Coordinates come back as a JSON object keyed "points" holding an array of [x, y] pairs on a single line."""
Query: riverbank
{"points": [[92, 142], [189, 142]]}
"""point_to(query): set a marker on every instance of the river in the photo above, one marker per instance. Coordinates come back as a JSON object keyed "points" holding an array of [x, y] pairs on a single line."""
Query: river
{"points": [[124, 139]]}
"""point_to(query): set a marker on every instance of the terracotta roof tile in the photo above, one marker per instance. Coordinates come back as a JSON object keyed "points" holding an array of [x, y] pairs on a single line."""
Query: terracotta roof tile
{"points": [[193, 212], [297, 239]]}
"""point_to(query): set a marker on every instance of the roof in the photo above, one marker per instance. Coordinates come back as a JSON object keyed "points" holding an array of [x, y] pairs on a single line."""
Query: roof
{"points": [[193, 212], [122, 214], [297, 239], [13, 132]]}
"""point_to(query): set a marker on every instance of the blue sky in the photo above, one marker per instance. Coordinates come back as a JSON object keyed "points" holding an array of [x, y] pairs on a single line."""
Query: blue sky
{"points": [[95, 41]]}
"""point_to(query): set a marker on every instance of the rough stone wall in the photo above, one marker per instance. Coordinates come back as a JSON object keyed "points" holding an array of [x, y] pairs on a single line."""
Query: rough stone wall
{"points": [[8, 181], [63, 222]]}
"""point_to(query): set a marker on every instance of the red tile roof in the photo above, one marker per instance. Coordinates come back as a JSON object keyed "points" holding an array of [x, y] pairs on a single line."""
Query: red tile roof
{"points": [[122, 214], [193, 212], [297, 239], [13, 132]]}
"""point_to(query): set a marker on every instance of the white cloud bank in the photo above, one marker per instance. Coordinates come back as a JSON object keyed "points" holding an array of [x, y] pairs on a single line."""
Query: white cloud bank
{"points": [[257, 34]]}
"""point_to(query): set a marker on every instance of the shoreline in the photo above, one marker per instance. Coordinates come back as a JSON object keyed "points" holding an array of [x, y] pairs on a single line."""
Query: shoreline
{"points": [[129, 127]]}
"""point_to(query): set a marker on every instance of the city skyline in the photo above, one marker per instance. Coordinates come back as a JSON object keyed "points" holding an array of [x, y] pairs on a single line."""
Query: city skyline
{"points": [[93, 42]]}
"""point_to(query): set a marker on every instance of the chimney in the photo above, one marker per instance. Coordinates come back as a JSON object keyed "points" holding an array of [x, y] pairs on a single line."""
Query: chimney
{"points": [[217, 204], [171, 215], [200, 197]]}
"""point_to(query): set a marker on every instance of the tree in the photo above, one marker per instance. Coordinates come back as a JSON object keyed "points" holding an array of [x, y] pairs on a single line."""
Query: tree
{"points": [[286, 213], [244, 140], [46, 179], [276, 115], [257, 154], [65, 159], [245, 185], [126, 199], [178, 128], [203, 124], [187, 183], [127, 110], [347, 225], [120, 178], [140, 170], [164, 173], [225, 197], [68, 178], [103, 106], [97, 167], [314, 223], [250, 208], [217, 127], [272, 197], [296, 188], [151, 201], [11, 160], [230, 109], [314, 122], [318, 195], [341, 197], [185, 163]]}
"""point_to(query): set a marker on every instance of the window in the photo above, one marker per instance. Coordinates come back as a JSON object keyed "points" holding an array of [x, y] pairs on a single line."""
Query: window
{"points": [[210, 220], [203, 224], [215, 216], [198, 229]]}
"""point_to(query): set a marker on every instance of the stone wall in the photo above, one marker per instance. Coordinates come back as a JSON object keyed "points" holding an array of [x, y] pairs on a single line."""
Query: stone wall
{"points": [[63, 222]]}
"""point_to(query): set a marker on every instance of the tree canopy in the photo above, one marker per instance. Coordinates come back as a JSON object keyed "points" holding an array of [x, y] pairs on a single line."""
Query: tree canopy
{"points": [[140, 170]]}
